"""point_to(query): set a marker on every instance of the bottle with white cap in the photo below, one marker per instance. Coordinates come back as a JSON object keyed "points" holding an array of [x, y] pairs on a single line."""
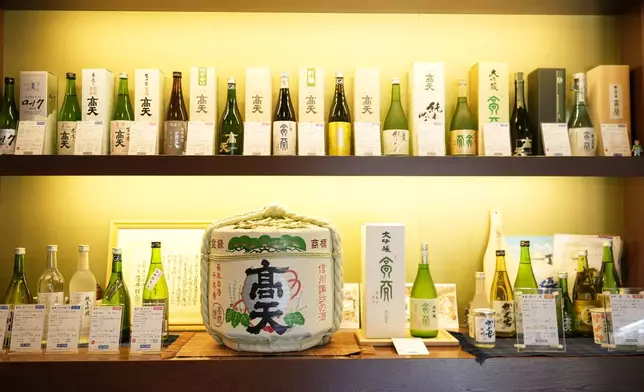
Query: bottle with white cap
{"points": [[284, 122], [51, 284], [580, 126], [82, 290], [395, 131]]}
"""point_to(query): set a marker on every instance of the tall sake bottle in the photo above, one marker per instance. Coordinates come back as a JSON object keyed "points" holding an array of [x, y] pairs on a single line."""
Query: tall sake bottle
{"points": [[395, 130], [423, 304], [69, 114]]}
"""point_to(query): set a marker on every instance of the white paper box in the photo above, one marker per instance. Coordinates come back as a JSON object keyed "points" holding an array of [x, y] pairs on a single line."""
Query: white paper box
{"points": [[489, 96], [98, 101], [366, 95], [426, 117], [259, 93], [39, 102], [149, 104], [311, 96], [203, 94], [383, 280]]}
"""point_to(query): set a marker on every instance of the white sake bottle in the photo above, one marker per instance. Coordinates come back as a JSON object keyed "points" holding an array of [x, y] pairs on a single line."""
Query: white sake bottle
{"points": [[496, 241]]}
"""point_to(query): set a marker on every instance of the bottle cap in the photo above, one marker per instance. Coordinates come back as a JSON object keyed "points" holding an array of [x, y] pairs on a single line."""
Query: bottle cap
{"points": [[462, 82], [479, 275], [339, 75], [563, 275], [9, 80], [231, 80], [123, 75], [19, 251], [582, 253], [116, 251], [525, 243], [52, 248], [519, 76], [71, 75], [83, 248], [176, 74], [284, 75], [156, 245], [500, 253], [423, 246], [608, 243], [395, 81], [579, 75]]}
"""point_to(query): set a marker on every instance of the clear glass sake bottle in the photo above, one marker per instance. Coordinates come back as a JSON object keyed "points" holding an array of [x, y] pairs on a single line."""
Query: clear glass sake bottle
{"points": [[176, 121], [423, 302], [580, 126], [395, 130], [584, 296], [121, 119], [8, 119], [284, 121], [462, 130], [155, 291], [69, 114], [18, 292], [117, 294], [525, 275], [502, 298], [568, 310], [340, 134], [479, 301], [51, 285], [231, 127], [82, 290]]}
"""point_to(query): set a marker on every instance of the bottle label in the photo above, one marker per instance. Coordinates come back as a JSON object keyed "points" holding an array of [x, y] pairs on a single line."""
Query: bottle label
{"points": [[423, 314], [582, 142], [462, 142], [164, 303], [154, 278], [485, 329], [583, 317], [284, 138], [615, 102], [340, 138], [174, 137], [50, 298], [66, 137], [230, 143], [504, 316], [396, 141], [119, 137], [567, 322], [523, 147], [7, 141], [87, 299]]}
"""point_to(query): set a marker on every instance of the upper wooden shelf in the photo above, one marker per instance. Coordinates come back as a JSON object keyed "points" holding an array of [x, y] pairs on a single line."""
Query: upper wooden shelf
{"points": [[539, 7], [48, 165]]}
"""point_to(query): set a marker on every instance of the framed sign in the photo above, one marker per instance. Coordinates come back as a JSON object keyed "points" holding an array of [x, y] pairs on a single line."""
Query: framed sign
{"points": [[181, 252]]}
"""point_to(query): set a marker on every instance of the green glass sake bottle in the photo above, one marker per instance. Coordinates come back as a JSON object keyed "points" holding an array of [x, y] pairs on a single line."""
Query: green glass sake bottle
{"points": [[69, 114], [8, 119], [155, 292], [121, 119], [18, 292], [423, 303], [117, 294], [395, 131], [584, 296], [462, 130], [568, 320], [608, 279], [580, 126], [502, 298], [231, 127], [525, 276]]}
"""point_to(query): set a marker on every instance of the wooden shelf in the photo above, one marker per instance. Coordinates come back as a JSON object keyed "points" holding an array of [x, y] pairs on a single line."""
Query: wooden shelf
{"points": [[50, 165], [559, 7]]}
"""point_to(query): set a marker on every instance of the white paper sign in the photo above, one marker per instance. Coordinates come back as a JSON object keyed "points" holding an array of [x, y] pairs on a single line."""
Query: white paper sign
{"points": [[614, 140], [4, 316], [310, 139], [497, 139], [146, 329], [89, 138], [31, 137], [257, 138], [28, 327], [105, 331], [143, 138], [367, 139], [539, 319], [201, 138], [556, 142], [410, 346], [431, 138], [627, 319], [64, 328]]}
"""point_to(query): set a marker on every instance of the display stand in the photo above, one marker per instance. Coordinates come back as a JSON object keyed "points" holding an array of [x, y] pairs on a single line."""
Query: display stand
{"points": [[539, 315], [624, 319]]}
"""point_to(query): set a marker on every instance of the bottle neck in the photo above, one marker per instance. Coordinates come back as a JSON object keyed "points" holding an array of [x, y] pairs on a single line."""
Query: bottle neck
{"points": [[607, 255], [117, 265], [480, 287], [19, 265], [283, 83], [395, 93], [563, 285], [8, 93], [232, 96], [580, 94], [52, 261], [582, 264], [500, 263], [156, 256], [123, 87], [83, 261], [70, 89], [339, 90], [176, 88], [525, 255], [519, 100], [495, 229]]}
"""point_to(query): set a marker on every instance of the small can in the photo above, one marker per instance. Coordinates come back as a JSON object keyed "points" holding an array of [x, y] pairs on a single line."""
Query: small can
{"points": [[484, 327]]}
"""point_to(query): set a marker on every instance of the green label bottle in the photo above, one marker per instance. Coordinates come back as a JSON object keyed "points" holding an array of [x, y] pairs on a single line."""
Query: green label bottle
{"points": [[18, 292], [462, 130], [525, 276], [423, 303], [69, 114], [116, 293], [284, 122], [231, 127], [8, 119], [340, 135], [395, 131], [580, 126], [155, 291], [121, 119], [608, 279], [584, 296], [568, 320], [502, 298], [176, 121]]}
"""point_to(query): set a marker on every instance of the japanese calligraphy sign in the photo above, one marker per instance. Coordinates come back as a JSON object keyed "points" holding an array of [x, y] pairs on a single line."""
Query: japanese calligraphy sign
{"points": [[383, 266], [427, 108], [39, 102], [311, 95], [203, 94], [489, 86], [366, 95], [259, 103], [97, 104], [149, 105]]}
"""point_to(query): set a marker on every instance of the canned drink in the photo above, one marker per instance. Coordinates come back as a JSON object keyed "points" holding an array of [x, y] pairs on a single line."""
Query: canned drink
{"points": [[484, 327]]}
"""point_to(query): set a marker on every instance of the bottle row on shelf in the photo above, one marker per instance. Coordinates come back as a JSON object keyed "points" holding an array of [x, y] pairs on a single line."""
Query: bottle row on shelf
{"points": [[482, 126]]}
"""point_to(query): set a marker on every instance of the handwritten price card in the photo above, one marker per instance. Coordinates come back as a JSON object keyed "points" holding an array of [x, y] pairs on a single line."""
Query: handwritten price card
{"points": [[147, 327], [105, 331], [539, 320], [64, 329], [628, 315], [28, 327]]}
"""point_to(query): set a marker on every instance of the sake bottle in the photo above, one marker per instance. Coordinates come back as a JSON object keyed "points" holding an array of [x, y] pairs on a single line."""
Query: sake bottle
{"points": [[608, 279], [121, 119], [395, 131], [82, 290], [479, 301], [568, 310], [462, 130], [231, 127], [117, 294], [580, 126], [583, 297], [176, 121], [8, 119], [51, 285], [340, 136], [502, 298], [495, 241], [155, 291], [284, 122], [69, 114], [525, 276], [423, 303], [18, 292]]}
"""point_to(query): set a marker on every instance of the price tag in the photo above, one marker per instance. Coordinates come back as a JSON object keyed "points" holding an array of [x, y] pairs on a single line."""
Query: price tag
{"points": [[147, 326], [556, 142], [31, 138], [105, 331], [27, 329], [64, 328], [367, 139], [627, 318], [4, 317], [496, 138], [539, 320], [201, 138], [89, 137], [614, 140], [144, 138], [410, 346], [257, 138], [431, 138], [310, 139]]}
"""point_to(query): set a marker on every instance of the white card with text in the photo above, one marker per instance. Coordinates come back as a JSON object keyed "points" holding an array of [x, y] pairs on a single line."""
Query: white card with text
{"points": [[201, 138], [614, 140], [27, 329], [497, 139], [310, 139], [627, 315], [4, 317], [431, 138], [31, 138], [367, 139], [105, 331], [63, 330], [89, 138], [147, 326], [556, 142], [410, 346], [257, 138], [144, 137], [539, 320]]}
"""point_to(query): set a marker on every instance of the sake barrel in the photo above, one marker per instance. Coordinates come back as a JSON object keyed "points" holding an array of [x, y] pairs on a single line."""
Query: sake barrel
{"points": [[271, 281]]}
